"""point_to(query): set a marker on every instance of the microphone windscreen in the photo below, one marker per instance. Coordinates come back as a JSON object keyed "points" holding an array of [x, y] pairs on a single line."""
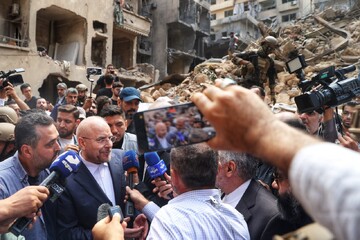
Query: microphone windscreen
{"points": [[130, 160], [157, 170], [151, 158], [103, 211], [65, 163]]}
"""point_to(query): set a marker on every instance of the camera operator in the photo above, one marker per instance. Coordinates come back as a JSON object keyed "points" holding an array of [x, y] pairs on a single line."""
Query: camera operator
{"points": [[9, 93], [320, 124], [100, 83]]}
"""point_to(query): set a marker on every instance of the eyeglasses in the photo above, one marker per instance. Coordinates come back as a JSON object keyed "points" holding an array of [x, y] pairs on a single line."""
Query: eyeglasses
{"points": [[102, 140]]}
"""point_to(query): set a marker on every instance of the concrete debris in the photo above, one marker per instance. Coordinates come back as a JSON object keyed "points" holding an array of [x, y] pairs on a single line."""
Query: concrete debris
{"points": [[331, 38]]}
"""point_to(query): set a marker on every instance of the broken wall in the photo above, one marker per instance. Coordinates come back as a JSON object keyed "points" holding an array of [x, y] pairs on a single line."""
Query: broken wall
{"points": [[37, 68]]}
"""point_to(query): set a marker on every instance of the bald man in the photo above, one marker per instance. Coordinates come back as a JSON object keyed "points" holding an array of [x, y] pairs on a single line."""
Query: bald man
{"points": [[159, 141], [97, 181]]}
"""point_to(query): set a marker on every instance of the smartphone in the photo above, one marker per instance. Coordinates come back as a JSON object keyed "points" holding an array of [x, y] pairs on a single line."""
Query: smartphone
{"points": [[174, 126], [93, 71]]}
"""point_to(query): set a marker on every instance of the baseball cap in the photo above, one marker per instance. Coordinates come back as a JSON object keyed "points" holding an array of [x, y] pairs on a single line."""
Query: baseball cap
{"points": [[130, 93], [81, 87]]}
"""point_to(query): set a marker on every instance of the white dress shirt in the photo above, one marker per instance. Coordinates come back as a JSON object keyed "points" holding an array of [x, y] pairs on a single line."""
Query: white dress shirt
{"points": [[101, 173], [234, 197]]}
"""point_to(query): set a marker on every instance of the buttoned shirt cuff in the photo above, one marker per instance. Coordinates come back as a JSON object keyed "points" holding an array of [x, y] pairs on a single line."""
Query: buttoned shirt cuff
{"points": [[150, 210]]}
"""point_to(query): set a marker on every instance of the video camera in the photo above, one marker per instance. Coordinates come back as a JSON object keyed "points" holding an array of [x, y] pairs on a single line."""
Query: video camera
{"points": [[15, 80], [332, 87]]}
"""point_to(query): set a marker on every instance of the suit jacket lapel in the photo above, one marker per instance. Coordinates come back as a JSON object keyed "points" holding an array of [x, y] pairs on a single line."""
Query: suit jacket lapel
{"points": [[117, 175], [84, 178], [247, 201]]}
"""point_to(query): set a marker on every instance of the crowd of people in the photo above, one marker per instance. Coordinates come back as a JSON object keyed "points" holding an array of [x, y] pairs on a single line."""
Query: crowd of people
{"points": [[262, 175]]}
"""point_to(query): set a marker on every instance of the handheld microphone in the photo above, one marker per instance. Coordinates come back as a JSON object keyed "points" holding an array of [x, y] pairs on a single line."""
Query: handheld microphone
{"points": [[61, 168], [156, 167], [105, 210], [131, 165]]}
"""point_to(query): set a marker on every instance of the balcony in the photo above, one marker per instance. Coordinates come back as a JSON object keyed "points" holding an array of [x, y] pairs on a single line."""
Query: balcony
{"points": [[220, 6], [135, 23], [289, 6]]}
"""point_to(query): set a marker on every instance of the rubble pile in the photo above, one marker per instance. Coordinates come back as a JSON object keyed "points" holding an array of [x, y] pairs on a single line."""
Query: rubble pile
{"points": [[331, 38]]}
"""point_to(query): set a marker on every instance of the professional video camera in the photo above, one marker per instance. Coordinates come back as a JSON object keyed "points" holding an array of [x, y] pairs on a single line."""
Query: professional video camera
{"points": [[15, 80], [329, 87]]}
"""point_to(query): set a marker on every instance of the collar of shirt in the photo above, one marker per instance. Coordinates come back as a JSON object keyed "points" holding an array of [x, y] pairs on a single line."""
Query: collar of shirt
{"points": [[93, 166], [201, 195], [234, 197]]}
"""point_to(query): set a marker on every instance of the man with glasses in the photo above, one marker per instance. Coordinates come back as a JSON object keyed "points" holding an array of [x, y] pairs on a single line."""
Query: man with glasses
{"points": [[320, 124], [97, 181]]}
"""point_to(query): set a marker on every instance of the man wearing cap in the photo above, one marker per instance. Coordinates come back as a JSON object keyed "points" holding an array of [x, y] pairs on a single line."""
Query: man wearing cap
{"points": [[8, 119], [82, 91], [129, 103], [61, 89]]}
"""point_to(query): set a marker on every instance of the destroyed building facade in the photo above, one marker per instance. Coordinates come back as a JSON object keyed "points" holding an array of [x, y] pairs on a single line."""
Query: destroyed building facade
{"points": [[54, 41]]}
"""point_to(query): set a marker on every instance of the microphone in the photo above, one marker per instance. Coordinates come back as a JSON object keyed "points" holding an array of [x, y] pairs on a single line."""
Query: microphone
{"points": [[131, 165], [61, 168], [105, 210], [156, 167]]}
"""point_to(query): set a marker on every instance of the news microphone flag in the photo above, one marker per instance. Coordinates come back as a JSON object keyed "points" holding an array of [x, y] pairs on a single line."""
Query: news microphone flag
{"points": [[130, 161], [156, 167]]}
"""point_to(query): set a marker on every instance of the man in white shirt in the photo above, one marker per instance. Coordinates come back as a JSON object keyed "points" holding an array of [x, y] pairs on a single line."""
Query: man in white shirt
{"points": [[99, 179]]}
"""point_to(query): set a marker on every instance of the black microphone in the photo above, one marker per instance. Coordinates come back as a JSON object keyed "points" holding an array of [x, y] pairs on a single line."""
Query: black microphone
{"points": [[61, 168], [156, 167], [131, 165], [105, 210]]}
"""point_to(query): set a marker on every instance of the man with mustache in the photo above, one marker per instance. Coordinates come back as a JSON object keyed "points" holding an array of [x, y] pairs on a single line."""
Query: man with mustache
{"points": [[289, 207], [37, 147], [66, 123], [129, 103]]}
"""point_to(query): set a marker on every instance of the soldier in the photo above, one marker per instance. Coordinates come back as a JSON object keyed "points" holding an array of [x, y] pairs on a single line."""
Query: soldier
{"points": [[257, 67]]}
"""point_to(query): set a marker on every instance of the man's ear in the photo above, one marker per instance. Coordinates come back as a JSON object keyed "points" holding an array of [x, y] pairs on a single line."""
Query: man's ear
{"points": [[26, 151], [231, 168]]}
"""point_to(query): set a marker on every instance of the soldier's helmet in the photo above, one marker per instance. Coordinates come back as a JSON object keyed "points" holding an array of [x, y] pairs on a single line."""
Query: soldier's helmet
{"points": [[271, 41], [7, 132], [8, 115]]}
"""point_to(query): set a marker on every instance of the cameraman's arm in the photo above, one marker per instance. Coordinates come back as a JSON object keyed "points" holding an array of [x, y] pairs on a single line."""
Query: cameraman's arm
{"points": [[10, 92], [330, 133]]}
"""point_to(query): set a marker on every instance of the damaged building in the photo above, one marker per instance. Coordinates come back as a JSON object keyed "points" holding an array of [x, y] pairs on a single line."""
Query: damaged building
{"points": [[242, 16], [55, 41], [180, 28]]}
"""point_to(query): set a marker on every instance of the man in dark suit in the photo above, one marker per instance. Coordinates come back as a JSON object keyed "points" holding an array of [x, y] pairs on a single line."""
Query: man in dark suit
{"points": [[97, 181], [252, 200]]}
